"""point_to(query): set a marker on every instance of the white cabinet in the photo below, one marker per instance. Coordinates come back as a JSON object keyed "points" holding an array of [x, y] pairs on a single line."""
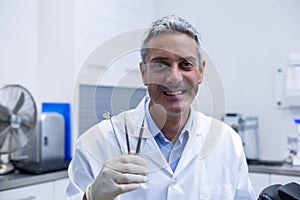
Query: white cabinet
{"points": [[259, 181], [263, 180], [281, 179], [43, 191], [53, 190], [60, 187]]}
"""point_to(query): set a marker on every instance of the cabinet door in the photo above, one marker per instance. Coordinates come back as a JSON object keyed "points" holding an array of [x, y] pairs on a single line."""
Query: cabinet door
{"points": [[42, 191], [60, 187], [259, 181]]}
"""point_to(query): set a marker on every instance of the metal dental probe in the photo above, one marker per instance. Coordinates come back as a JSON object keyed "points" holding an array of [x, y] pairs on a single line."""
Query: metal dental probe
{"points": [[108, 115], [140, 138], [127, 138]]}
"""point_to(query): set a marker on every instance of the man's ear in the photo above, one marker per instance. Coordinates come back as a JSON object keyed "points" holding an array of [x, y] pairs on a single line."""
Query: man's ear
{"points": [[201, 72], [143, 73]]}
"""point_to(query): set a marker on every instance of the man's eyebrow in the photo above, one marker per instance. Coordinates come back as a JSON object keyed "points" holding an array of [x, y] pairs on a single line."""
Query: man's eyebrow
{"points": [[159, 58], [190, 58], [162, 58]]}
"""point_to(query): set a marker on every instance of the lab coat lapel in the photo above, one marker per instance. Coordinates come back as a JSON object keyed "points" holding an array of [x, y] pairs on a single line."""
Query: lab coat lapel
{"points": [[204, 136], [154, 157], [192, 147], [149, 149]]}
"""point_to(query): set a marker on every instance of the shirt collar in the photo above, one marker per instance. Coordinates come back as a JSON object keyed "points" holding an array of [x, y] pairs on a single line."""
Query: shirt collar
{"points": [[155, 131]]}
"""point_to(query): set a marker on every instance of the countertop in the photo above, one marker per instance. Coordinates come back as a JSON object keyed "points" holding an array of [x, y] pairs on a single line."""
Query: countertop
{"points": [[285, 169], [18, 179]]}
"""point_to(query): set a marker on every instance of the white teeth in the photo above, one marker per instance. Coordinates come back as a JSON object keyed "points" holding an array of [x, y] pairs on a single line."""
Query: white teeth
{"points": [[174, 93]]}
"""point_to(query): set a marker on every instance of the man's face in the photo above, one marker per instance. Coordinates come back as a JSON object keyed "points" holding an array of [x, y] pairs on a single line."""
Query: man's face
{"points": [[172, 72]]}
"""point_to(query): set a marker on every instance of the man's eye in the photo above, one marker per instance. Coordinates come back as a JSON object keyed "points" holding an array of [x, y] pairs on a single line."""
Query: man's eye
{"points": [[158, 66], [187, 65]]}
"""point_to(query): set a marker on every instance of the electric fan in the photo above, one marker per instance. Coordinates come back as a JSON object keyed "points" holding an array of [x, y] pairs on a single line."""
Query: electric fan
{"points": [[18, 117]]}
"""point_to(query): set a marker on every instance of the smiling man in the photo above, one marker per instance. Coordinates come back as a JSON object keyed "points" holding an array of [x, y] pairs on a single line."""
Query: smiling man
{"points": [[172, 71], [184, 154]]}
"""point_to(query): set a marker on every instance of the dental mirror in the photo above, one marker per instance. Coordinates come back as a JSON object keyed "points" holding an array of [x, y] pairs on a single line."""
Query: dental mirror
{"points": [[106, 115]]}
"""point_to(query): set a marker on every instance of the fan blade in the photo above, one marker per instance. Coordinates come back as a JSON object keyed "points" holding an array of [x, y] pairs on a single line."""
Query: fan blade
{"points": [[5, 141], [4, 113], [19, 103], [3, 134], [27, 125], [19, 139], [3, 126]]}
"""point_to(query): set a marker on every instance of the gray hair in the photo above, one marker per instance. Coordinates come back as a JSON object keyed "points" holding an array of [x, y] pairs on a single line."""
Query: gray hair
{"points": [[165, 24]]}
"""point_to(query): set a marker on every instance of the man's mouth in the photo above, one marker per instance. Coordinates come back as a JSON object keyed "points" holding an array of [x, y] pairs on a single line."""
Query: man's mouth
{"points": [[173, 93]]}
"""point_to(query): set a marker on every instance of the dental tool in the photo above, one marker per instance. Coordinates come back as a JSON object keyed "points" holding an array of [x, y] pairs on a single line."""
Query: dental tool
{"points": [[140, 137], [127, 138], [108, 115]]}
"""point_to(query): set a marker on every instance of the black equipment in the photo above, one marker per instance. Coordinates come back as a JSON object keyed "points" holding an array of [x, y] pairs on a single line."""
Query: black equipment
{"points": [[289, 191]]}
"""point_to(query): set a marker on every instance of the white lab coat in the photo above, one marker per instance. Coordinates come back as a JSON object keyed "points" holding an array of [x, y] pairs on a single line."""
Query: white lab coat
{"points": [[212, 166]]}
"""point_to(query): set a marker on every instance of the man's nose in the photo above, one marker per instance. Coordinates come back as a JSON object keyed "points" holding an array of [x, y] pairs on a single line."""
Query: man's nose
{"points": [[174, 76]]}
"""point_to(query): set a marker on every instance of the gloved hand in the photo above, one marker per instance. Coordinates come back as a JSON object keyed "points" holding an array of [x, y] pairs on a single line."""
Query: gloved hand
{"points": [[118, 175]]}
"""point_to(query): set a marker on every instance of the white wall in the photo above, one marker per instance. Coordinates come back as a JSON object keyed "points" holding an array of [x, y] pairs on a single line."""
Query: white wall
{"points": [[248, 41], [44, 43], [98, 24], [97, 21], [55, 72], [19, 45], [36, 48]]}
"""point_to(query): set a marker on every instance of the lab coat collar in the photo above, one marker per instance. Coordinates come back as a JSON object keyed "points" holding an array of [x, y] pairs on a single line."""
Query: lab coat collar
{"points": [[202, 138], [200, 145], [136, 116], [149, 149], [193, 145], [193, 149]]}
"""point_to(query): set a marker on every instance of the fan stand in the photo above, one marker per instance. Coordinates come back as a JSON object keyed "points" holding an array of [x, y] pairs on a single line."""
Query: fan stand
{"points": [[5, 168]]}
